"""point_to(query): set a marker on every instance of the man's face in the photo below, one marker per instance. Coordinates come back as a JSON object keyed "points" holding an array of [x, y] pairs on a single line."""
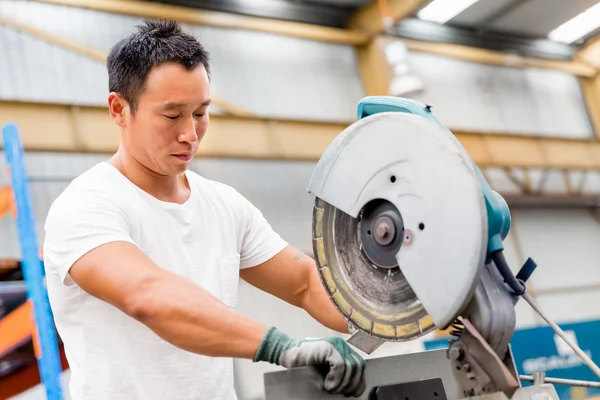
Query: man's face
{"points": [[170, 120]]}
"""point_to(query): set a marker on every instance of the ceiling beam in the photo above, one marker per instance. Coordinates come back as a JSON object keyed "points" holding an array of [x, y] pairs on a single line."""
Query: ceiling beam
{"points": [[552, 201], [68, 44], [372, 17], [485, 56], [51, 127], [590, 53], [375, 71], [591, 94], [96, 55], [56, 127], [416, 29], [219, 19]]}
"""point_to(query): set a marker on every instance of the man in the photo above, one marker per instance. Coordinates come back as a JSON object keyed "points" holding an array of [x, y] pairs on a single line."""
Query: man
{"points": [[143, 256]]}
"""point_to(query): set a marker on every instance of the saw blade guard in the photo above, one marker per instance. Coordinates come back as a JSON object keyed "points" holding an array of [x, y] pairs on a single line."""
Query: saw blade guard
{"points": [[499, 218], [400, 225]]}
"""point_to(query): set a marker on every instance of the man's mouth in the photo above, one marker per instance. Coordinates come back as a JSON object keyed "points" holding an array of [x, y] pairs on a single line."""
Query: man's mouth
{"points": [[183, 156]]}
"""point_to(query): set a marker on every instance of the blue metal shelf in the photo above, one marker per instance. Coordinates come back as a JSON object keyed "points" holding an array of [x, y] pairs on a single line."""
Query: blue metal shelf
{"points": [[49, 357]]}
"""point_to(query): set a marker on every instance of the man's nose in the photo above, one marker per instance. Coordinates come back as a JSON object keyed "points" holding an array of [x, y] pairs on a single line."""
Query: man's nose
{"points": [[188, 133]]}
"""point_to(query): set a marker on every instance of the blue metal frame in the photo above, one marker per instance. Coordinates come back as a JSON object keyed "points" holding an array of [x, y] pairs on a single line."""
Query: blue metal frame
{"points": [[499, 218], [33, 270]]}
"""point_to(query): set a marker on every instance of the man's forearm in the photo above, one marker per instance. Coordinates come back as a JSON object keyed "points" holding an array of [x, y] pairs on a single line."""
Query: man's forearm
{"points": [[190, 318], [317, 303]]}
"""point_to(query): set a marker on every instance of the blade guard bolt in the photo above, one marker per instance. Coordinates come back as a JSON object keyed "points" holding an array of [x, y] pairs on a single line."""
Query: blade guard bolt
{"points": [[455, 353]]}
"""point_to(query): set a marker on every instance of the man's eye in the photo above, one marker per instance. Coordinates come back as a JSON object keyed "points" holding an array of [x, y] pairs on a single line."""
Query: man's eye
{"points": [[172, 116], [200, 115]]}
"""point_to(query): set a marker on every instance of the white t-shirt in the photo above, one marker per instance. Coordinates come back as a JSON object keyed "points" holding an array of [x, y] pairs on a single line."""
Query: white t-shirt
{"points": [[207, 239]]}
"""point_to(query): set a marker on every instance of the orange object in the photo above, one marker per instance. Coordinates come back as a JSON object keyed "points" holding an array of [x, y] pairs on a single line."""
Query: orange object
{"points": [[383, 8], [7, 202], [17, 328]]}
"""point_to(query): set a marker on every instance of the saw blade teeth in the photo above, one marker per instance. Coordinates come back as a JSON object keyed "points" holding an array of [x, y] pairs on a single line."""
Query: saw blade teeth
{"points": [[344, 269]]}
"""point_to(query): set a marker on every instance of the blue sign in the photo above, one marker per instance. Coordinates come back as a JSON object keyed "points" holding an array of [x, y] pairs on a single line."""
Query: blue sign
{"points": [[541, 350]]}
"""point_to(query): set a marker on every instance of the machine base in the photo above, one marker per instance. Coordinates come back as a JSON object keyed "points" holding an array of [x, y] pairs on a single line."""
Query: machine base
{"points": [[417, 376], [306, 383], [430, 389], [536, 392]]}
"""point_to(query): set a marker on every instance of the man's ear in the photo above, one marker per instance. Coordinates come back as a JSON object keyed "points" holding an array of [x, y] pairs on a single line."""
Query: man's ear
{"points": [[118, 108]]}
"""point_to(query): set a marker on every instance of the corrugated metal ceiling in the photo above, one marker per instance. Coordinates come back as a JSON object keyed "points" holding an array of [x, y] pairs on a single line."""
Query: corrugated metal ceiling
{"points": [[333, 13], [534, 18], [518, 18], [511, 25]]}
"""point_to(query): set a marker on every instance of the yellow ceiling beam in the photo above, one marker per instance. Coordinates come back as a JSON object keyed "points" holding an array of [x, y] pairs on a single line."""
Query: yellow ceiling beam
{"points": [[95, 54], [79, 48], [591, 93], [374, 19], [484, 56], [56, 127], [590, 53], [375, 71], [52, 127], [507, 151], [371, 17], [217, 19]]}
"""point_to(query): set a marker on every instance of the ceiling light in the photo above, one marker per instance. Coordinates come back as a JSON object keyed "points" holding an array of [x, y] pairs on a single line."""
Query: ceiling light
{"points": [[442, 11], [578, 26]]}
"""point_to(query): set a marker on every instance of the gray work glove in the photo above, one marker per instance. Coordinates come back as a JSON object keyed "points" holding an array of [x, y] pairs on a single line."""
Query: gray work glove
{"points": [[346, 367]]}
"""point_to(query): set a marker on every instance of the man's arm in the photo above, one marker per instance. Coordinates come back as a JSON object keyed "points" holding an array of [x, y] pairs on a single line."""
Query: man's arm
{"points": [[293, 277], [190, 318], [175, 308]]}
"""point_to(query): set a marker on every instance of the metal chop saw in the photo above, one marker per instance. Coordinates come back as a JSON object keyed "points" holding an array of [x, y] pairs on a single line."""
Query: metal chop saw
{"points": [[408, 236]]}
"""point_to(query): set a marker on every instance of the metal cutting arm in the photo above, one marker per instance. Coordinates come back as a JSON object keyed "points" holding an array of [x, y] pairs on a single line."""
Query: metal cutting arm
{"points": [[408, 236]]}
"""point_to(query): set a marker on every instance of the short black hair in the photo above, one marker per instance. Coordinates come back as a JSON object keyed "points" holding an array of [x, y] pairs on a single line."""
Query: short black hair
{"points": [[153, 43]]}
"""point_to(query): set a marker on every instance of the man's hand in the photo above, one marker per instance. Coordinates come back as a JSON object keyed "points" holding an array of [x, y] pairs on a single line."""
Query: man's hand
{"points": [[346, 367]]}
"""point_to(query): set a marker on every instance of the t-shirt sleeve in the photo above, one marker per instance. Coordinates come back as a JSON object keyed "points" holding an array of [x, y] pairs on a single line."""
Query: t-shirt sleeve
{"points": [[79, 222], [259, 241]]}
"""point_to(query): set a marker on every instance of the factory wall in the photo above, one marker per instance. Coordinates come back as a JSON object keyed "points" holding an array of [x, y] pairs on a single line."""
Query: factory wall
{"points": [[269, 75], [562, 242], [478, 97]]}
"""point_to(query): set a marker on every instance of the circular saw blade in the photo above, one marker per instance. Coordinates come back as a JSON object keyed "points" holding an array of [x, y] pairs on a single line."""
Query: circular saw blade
{"points": [[376, 298]]}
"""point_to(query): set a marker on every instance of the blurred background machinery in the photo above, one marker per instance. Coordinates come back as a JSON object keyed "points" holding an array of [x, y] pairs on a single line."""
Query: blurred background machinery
{"points": [[515, 80]]}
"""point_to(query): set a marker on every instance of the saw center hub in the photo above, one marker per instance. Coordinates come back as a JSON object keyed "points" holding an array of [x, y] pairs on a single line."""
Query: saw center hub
{"points": [[384, 230], [381, 233]]}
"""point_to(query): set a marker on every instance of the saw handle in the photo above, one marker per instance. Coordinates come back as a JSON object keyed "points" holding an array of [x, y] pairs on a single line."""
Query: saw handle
{"points": [[517, 285]]}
